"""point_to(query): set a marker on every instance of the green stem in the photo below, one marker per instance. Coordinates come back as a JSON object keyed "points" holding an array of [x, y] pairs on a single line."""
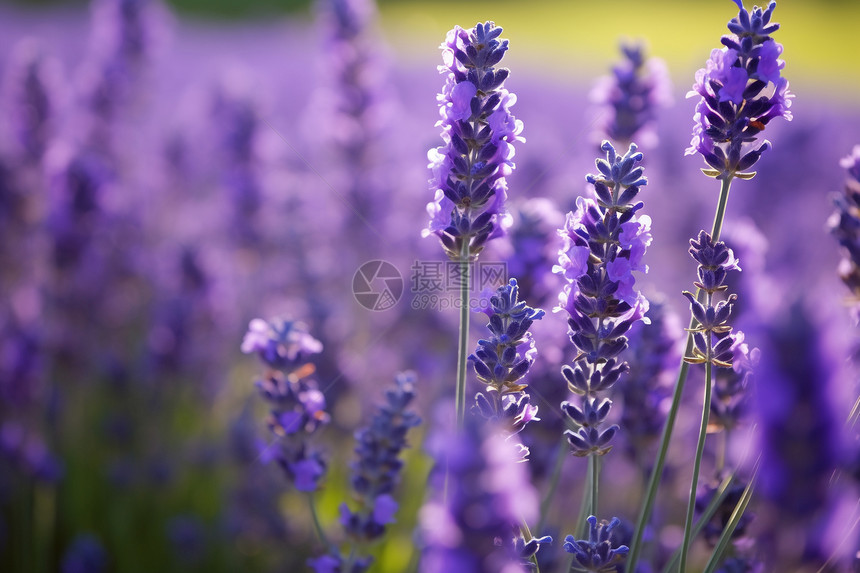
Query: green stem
{"points": [[657, 472], [594, 468], [317, 527], [553, 484], [463, 351], [697, 464]]}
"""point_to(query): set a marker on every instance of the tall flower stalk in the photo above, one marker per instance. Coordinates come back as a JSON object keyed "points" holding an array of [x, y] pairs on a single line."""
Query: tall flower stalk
{"points": [[604, 243], [469, 169], [741, 90]]}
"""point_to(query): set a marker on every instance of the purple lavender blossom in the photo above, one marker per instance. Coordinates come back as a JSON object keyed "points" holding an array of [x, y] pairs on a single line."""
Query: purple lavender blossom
{"points": [[337, 564], [376, 471], [631, 96], [723, 513], [713, 341], [85, 555], [598, 553], [533, 239], [298, 407], [604, 243], [742, 91], [476, 528], [478, 131], [845, 227], [503, 360], [32, 88]]}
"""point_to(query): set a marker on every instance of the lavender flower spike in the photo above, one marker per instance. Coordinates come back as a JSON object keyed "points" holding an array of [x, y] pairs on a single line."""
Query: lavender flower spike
{"points": [[604, 242], [376, 472], [298, 407], [478, 132], [742, 90], [713, 340]]}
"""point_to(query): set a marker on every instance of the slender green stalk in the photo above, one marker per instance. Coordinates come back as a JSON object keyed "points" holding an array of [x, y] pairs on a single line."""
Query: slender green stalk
{"points": [[317, 527], [657, 472], [463, 351], [716, 501], [553, 484], [697, 464], [594, 469], [726, 536]]}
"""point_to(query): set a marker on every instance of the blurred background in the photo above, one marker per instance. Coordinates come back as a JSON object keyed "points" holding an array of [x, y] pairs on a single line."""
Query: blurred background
{"points": [[169, 172]]}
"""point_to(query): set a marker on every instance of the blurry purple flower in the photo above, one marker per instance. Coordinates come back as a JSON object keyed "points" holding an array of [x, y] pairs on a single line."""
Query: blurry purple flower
{"points": [[31, 94], [844, 225], [478, 132], [632, 95], [533, 237], [281, 344], [475, 528], [85, 555], [741, 90], [376, 470]]}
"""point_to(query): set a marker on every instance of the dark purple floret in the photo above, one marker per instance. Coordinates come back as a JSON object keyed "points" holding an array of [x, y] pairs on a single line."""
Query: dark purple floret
{"points": [[337, 564], [632, 96], [478, 131], [604, 243], [713, 341], [376, 471], [732, 387], [598, 553], [742, 91]]}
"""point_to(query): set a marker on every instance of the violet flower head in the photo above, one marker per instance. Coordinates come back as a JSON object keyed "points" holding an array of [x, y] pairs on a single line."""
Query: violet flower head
{"points": [[86, 554], [376, 471], [478, 133], [32, 88], [732, 387], [504, 359], [475, 529], [598, 553], [297, 405], [604, 243], [533, 238], [844, 225], [713, 341], [632, 96], [741, 90]]}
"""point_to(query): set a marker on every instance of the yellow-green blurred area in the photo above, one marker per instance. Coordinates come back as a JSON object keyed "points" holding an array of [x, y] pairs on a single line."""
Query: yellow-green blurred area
{"points": [[573, 41]]}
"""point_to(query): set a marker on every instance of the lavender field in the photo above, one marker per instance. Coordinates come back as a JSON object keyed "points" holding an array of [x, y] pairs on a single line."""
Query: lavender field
{"points": [[307, 291]]}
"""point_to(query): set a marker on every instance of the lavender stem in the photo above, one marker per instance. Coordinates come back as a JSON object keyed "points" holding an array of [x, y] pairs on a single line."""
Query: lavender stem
{"points": [[463, 352], [657, 473], [700, 450]]}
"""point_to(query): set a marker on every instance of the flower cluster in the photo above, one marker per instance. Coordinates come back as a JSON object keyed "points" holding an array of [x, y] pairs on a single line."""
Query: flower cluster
{"points": [[298, 407], [742, 90], [504, 359], [478, 131], [712, 336], [604, 243], [376, 472], [632, 95], [598, 553], [845, 227], [475, 527]]}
